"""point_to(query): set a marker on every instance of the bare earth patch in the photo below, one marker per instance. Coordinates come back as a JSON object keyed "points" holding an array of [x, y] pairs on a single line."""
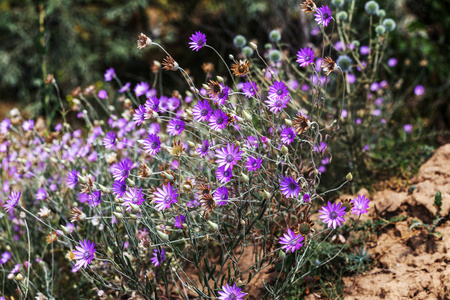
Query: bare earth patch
{"points": [[410, 263]]}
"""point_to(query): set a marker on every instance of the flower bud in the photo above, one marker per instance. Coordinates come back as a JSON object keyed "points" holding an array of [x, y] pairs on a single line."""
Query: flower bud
{"points": [[134, 207], [284, 150], [288, 122], [191, 144], [104, 189], [213, 225], [230, 56], [219, 78], [133, 216], [19, 277], [253, 45], [245, 178], [168, 176], [349, 176], [162, 235], [131, 182], [81, 178], [281, 254], [247, 115], [118, 216], [65, 230], [266, 194], [187, 187]]}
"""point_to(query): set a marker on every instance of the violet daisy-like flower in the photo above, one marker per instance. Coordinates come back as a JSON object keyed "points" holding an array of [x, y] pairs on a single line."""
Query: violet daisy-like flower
{"points": [[289, 187], [202, 111], [203, 149], [179, 221], [221, 196], [231, 293], [141, 88], [305, 57], [12, 201], [360, 205], [165, 196], [121, 170], [176, 126], [83, 254], [277, 104], [139, 115], [158, 257], [291, 241], [228, 156], [109, 74], [109, 140], [72, 179], [222, 96], [119, 188], [323, 15], [198, 40], [152, 144], [173, 103], [223, 175], [278, 90], [133, 196], [41, 194], [125, 87], [218, 120], [250, 89], [332, 214], [152, 103], [95, 198], [253, 164], [287, 136]]}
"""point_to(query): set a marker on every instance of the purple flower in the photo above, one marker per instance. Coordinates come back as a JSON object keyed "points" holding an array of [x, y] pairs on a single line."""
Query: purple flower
{"points": [[158, 257], [95, 198], [202, 111], [120, 170], [364, 50], [218, 120], [154, 128], [231, 293], [291, 241], [222, 96], [125, 88], [278, 90], [305, 57], [133, 196], [139, 115], [152, 103], [374, 87], [323, 15], [176, 126], [109, 140], [28, 125], [203, 149], [289, 187], [419, 90], [173, 103], [5, 125], [141, 88], [321, 147], [165, 196], [228, 156], [306, 197], [223, 175], [277, 104], [408, 128], [250, 89], [72, 179], [12, 201], [198, 40], [360, 205], [221, 196], [179, 221], [83, 254], [351, 78], [332, 214], [287, 136], [152, 144], [41, 194], [119, 188], [109, 74], [102, 94], [392, 62], [253, 164]]}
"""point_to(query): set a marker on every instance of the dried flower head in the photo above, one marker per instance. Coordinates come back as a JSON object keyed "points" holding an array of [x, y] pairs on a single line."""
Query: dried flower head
{"points": [[155, 67], [76, 91], [207, 67], [208, 204], [328, 65], [77, 215], [240, 68], [308, 6], [301, 123], [177, 148], [144, 170], [52, 237], [89, 185], [202, 190], [143, 41], [50, 79], [89, 90], [169, 64], [44, 212], [214, 88]]}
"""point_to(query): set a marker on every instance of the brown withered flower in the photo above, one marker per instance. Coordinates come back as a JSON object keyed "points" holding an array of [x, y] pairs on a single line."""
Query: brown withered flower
{"points": [[76, 91], [328, 65], [214, 88], [50, 79], [89, 90], [89, 185], [143, 41], [207, 67], [301, 123], [240, 68], [169, 64], [308, 6], [77, 215], [177, 148], [208, 204], [202, 190], [155, 67], [52, 237], [144, 170]]}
